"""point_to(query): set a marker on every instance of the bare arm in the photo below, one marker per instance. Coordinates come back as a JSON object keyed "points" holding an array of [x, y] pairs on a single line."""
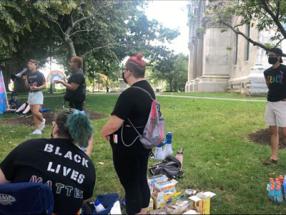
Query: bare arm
{"points": [[26, 82], [266, 81], [89, 148], [72, 86], [3, 179], [38, 88], [112, 125]]}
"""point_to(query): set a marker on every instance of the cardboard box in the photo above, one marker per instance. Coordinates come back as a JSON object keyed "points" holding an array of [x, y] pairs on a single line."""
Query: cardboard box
{"points": [[156, 179], [163, 192], [165, 186], [201, 202], [178, 208]]}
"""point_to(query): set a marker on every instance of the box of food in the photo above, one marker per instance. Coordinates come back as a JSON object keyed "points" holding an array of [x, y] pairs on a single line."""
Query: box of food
{"points": [[165, 186], [156, 179], [201, 202]]}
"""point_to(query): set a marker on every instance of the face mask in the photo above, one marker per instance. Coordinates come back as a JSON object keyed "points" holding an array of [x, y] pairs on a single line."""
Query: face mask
{"points": [[272, 60], [124, 79]]}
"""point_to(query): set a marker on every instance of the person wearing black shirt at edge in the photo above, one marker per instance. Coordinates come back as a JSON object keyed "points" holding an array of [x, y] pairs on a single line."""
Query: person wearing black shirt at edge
{"points": [[275, 113], [76, 86], [130, 158], [57, 162]]}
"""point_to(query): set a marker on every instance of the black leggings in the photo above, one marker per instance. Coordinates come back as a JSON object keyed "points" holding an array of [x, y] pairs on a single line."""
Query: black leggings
{"points": [[131, 167]]}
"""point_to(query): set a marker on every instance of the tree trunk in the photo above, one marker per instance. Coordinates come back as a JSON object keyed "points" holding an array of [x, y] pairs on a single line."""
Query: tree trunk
{"points": [[93, 85], [6, 76], [71, 47], [171, 85], [52, 88]]}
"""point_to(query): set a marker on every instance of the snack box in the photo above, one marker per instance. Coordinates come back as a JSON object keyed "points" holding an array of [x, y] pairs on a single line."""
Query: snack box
{"points": [[201, 202], [166, 185], [156, 179]]}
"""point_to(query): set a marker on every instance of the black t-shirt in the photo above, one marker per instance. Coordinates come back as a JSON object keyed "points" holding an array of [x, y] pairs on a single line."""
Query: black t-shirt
{"points": [[79, 93], [58, 163], [35, 79], [276, 82], [133, 104]]}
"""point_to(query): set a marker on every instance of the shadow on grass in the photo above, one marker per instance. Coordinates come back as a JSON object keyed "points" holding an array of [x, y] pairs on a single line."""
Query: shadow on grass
{"points": [[49, 116], [262, 137]]}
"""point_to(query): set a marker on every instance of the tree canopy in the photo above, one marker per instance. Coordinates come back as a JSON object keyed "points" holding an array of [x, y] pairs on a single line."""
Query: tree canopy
{"points": [[262, 14], [173, 69], [104, 30]]}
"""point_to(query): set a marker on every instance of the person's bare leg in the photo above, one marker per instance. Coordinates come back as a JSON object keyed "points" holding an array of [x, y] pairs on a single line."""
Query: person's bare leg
{"points": [[274, 142], [38, 114], [34, 117], [143, 211], [38, 118]]}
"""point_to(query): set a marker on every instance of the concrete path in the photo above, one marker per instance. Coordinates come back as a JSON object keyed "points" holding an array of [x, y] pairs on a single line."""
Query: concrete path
{"points": [[214, 98]]}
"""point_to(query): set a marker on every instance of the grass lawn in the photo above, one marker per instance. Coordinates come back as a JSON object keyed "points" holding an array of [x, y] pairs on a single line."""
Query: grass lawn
{"points": [[218, 156]]}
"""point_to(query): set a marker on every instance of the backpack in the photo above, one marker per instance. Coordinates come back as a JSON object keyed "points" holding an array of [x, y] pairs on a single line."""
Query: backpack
{"points": [[171, 167], [154, 131], [26, 198]]}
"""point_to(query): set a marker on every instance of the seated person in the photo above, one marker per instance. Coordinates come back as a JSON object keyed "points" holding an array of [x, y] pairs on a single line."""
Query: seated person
{"points": [[13, 102], [57, 162]]}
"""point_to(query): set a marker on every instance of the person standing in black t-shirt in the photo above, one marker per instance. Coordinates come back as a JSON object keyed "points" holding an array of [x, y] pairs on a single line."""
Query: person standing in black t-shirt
{"points": [[130, 158], [35, 83], [76, 86], [57, 162], [275, 113]]}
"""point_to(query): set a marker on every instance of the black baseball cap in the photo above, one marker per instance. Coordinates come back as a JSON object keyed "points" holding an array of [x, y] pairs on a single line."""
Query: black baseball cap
{"points": [[277, 51]]}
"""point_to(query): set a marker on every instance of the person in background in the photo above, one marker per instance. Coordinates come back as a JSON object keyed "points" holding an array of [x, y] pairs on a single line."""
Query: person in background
{"points": [[35, 83], [57, 162], [76, 86], [14, 103], [130, 158], [275, 113]]}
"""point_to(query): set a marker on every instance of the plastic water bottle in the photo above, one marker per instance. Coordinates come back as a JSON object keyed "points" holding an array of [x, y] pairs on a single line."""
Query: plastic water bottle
{"points": [[180, 156], [271, 189], [168, 142], [284, 187], [98, 206], [279, 195], [160, 152]]}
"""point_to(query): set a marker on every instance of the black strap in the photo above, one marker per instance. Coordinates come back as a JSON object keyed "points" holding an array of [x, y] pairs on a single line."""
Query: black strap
{"points": [[140, 88], [143, 90]]}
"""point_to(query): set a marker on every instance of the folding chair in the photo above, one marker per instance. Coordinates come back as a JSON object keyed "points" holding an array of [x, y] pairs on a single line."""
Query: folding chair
{"points": [[26, 198]]}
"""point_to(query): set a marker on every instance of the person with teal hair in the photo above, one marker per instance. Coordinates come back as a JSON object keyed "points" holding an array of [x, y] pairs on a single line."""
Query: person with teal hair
{"points": [[58, 162]]}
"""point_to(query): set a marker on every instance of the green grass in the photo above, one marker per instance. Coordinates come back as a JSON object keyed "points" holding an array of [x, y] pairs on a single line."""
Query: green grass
{"points": [[218, 156]]}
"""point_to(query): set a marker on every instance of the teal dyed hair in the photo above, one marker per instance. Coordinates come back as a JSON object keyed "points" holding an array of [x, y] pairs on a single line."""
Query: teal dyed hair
{"points": [[79, 127]]}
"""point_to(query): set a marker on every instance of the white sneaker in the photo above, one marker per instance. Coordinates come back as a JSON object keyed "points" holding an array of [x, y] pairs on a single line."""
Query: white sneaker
{"points": [[37, 132], [43, 124]]}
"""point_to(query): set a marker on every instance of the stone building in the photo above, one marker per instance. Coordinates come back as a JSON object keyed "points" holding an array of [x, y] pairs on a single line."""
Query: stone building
{"points": [[220, 60]]}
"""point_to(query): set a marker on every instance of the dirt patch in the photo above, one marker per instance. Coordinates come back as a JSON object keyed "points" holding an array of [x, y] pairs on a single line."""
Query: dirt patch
{"points": [[263, 137], [49, 116]]}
